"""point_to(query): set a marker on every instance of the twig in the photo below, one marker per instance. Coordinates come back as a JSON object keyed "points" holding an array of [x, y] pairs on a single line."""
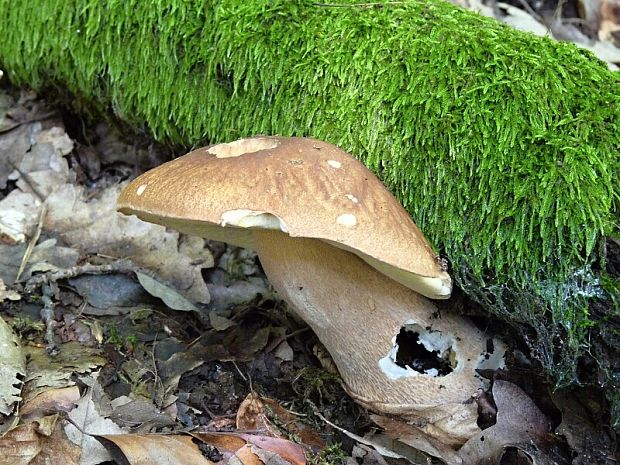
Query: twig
{"points": [[47, 315], [28, 180], [10, 127], [241, 374], [119, 266], [32, 243], [276, 342], [526, 6], [379, 448]]}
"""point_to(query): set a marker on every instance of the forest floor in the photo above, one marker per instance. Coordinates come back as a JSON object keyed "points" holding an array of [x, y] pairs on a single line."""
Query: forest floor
{"points": [[114, 328]]}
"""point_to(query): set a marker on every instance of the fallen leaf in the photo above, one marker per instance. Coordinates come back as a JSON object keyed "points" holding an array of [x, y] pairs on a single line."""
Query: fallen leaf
{"points": [[399, 433], [522, 20], [7, 294], [589, 438], [53, 400], [520, 425], [245, 456], [12, 369], [109, 290], [89, 223], [153, 449], [257, 413], [44, 371], [87, 416], [231, 442], [365, 455], [284, 351], [171, 298], [610, 20], [20, 445], [46, 256], [219, 323], [38, 443], [93, 225], [138, 411]]}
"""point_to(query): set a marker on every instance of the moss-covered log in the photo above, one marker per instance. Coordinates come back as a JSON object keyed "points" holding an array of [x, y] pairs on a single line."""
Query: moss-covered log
{"points": [[503, 146]]}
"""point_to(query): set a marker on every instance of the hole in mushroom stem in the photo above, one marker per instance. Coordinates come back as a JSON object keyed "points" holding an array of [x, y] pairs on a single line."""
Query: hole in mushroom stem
{"points": [[418, 351], [413, 354]]}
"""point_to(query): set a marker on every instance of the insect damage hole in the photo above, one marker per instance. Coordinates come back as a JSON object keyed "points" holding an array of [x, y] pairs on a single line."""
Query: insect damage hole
{"points": [[413, 354], [419, 351]]}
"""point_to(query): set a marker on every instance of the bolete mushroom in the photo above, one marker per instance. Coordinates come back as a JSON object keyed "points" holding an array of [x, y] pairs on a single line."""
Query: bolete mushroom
{"points": [[344, 254]]}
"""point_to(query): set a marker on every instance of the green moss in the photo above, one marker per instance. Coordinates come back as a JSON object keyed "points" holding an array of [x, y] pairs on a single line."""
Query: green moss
{"points": [[503, 146]]}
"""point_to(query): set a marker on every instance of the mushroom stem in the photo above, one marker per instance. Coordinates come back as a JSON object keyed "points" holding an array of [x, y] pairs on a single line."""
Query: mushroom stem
{"points": [[357, 313]]}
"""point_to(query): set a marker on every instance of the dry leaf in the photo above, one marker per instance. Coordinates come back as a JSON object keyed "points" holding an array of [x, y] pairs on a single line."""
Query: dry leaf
{"points": [[520, 424], [45, 372], [255, 414], [610, 20], [398, 431], [7, 294], [28, 445], [232, 442], [153, 449], [53, 400], [19, 446], [90, 420], [171, 298], [245, 456], [12, 369], [220, 323]]}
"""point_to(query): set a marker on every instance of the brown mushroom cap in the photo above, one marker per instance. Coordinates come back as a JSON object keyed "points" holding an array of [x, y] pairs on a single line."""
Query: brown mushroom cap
{"points": [[303, 187]]}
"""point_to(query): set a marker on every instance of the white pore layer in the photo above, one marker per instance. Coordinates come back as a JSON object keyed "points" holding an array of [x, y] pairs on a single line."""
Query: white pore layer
{"points": [[252, 219]]}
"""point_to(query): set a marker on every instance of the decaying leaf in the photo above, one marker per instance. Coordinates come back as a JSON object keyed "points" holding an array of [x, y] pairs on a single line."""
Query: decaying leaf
{"points": [[257, 413], [87, 223], [155, 449], [46, 256], [38, 443], [109, 293], [284, 351], [88, 417], [408, 441], [365, 455], [7, 294], [171, 370], [610, 20], [138, 411], [12, 369], [170, 297], [45, 372], [52, 400], [245, 456], [589, 438], [520, 425], [94, 226], [232, 442], [218, 322]]}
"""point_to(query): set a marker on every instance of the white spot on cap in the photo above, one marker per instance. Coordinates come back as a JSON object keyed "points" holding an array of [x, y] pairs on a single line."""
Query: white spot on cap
{"points": [[334, 163], [242, 147], [141, 189], [352, 198], [346, 219]]}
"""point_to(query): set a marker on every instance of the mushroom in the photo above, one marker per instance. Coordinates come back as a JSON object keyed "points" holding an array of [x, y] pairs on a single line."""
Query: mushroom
{"points": [[344, 254]]}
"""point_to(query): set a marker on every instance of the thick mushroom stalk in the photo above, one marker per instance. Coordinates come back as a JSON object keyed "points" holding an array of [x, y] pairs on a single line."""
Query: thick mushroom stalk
{"points": [[345, 255], [357, 314]]}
